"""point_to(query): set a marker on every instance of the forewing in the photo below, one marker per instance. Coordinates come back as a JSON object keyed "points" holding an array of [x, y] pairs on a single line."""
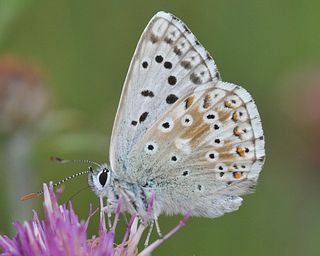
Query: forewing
{"points": [[168, 64], [204, 152]]}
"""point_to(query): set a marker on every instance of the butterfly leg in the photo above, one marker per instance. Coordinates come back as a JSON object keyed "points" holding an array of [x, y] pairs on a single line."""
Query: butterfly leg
{"points": [[146, 242], [157, 226], [109, 220], [107, 209]]}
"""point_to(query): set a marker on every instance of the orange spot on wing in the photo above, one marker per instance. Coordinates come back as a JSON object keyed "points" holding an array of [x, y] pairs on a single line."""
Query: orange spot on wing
{"points": [[236, 175], [189, 101], [235, 116], [241, 151], [228, 104], [237, 131], [206, 102]]}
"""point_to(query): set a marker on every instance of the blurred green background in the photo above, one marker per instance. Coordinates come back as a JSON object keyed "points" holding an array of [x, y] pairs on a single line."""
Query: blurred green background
{"points": [[79, 51]]}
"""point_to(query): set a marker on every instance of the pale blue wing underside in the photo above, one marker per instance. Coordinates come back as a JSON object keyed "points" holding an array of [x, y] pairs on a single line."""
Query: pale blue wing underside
{"points": [[189, 164]]}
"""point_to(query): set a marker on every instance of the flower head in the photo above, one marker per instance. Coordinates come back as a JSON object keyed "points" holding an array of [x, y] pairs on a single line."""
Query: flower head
{"points": [[61, 233]]}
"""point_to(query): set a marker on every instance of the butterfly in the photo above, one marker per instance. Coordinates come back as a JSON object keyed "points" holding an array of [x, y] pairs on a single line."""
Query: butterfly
{"points": [[180, 133]]}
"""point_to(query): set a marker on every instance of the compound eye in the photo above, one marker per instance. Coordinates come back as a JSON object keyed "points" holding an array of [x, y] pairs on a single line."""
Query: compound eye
{"points": [[103, 176]]}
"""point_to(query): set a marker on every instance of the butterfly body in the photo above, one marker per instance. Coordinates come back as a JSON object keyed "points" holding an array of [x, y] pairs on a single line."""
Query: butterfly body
{"points": [[180, 133], [103, 181]]}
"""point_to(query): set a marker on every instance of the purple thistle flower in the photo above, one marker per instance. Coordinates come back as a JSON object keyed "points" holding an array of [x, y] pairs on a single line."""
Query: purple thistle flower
{"points": [[61, 233]]}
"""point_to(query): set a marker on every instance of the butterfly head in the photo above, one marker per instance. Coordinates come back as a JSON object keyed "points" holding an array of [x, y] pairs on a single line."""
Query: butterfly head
{"points": [[99, 179]]}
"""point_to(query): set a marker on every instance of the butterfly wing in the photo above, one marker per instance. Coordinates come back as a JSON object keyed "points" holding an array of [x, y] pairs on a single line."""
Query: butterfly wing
{"points": [[168, 63], [181, 132], [203, 153]]}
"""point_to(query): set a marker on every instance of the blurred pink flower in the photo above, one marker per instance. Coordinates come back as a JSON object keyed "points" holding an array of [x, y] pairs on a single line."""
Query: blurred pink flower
{"points": [[23, 98], [302, 99], [61, 233]]}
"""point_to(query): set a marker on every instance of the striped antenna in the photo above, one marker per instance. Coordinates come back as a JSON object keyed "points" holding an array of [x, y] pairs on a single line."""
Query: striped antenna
{"points": [[37, 194]]}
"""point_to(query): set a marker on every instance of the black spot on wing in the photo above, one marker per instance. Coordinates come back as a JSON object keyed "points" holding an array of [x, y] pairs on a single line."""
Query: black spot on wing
{"points": [[174, 17], [143, 117], [147, 93], [171, 99], [159, 58], [174, 158], [186, 29], [177, 51], [186, 64], [172, 80], [168, 40], [166, 125], [195, 78], [210, 116], [167, 65], [144, 64], [154, 38]]}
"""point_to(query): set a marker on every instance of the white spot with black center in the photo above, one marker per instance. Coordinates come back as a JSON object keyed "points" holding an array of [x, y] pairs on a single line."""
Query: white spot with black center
{"points": [[220, 167], [174, 158], [151, 147], [167, 125], [216, 127], [187, 120], [217, 142], [212, 156], [210, 117]]}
